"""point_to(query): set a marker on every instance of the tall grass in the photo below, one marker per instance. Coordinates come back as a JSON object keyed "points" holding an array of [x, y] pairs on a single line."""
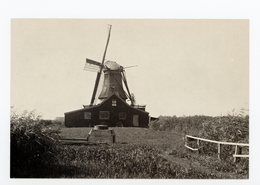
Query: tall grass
{"points": [[230, 128], [123, 161], [32, 146]]}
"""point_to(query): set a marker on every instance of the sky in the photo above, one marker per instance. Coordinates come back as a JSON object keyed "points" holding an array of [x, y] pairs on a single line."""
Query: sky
{"points": [[185, 67]]}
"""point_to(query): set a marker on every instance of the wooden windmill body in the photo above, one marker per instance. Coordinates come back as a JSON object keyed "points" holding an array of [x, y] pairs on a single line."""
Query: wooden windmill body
{"points": [[113, 109]]}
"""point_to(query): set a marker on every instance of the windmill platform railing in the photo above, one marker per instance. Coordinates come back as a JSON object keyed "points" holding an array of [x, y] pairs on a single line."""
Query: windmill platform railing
{"points": [[238, 146]]}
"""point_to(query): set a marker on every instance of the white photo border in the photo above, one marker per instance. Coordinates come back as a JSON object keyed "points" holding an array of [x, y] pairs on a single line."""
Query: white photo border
{"points": [[169, 9]]}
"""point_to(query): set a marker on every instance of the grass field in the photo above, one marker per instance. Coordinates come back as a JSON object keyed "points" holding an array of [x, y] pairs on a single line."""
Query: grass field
{"points": [[165, 146], [131, 135]]}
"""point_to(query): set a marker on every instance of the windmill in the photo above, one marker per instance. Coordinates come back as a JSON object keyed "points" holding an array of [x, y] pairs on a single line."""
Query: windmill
{"points": [[113, 110], [114, 74]]}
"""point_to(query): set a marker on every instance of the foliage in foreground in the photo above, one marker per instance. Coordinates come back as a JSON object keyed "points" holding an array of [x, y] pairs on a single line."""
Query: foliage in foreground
{"points": [[227, 128], [123, 161], [230, 128], [32, 146], [34, 154]]}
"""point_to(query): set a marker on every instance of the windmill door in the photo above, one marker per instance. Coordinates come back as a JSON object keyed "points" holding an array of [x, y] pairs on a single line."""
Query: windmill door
{"points": [[135, 120]]}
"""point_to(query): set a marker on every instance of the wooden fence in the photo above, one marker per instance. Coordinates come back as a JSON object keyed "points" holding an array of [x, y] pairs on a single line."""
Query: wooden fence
{"points": [[238, 146]]}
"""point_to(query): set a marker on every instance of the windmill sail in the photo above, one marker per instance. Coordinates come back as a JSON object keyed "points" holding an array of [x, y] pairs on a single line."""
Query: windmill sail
{"points": [[92, 65], [101, 68], [93, 62], [125, 82], [99, 89]]}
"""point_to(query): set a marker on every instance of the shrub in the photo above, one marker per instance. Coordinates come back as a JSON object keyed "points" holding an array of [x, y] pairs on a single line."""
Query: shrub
{"points": [[227, 128], [32, 146], [184, 124], [231, 128]]}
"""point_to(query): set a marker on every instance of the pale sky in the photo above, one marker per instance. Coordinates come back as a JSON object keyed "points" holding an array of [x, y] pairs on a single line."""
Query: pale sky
{"points": [[185, 67]]}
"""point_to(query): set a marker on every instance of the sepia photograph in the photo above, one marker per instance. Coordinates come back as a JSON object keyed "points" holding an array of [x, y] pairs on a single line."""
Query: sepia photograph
{"points": [[129, 98]]}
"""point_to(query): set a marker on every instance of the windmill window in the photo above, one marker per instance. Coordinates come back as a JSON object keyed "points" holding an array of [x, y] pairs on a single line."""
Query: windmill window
{"points": [[114, 103], [122, 116], [104, 115], [87, 115]]}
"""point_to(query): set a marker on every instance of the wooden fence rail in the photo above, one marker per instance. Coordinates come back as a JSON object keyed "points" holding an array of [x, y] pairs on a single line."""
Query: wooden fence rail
{"points": [[238, 146]]}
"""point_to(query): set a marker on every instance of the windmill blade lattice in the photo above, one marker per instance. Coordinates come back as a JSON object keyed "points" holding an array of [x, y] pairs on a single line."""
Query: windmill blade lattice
{"points": [[91, 67]]}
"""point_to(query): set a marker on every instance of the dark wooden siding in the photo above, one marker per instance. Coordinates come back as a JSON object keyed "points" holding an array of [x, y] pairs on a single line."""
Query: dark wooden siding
{"points": [[76, 118]]}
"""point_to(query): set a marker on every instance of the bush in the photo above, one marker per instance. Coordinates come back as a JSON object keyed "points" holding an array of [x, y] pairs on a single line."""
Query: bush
{"points": [[227, 128], [32, 145], [184, 124], [231, 128]]}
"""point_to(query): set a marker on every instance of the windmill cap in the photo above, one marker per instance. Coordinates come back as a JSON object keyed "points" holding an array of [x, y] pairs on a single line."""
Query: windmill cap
{"points": [[112, 65]]}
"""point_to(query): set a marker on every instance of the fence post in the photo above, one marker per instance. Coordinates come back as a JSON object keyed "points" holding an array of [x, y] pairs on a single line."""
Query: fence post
{"points": [[235, 154], [185, 139], [219, 150], [89, 134], [198, 143], [113, 136]]}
